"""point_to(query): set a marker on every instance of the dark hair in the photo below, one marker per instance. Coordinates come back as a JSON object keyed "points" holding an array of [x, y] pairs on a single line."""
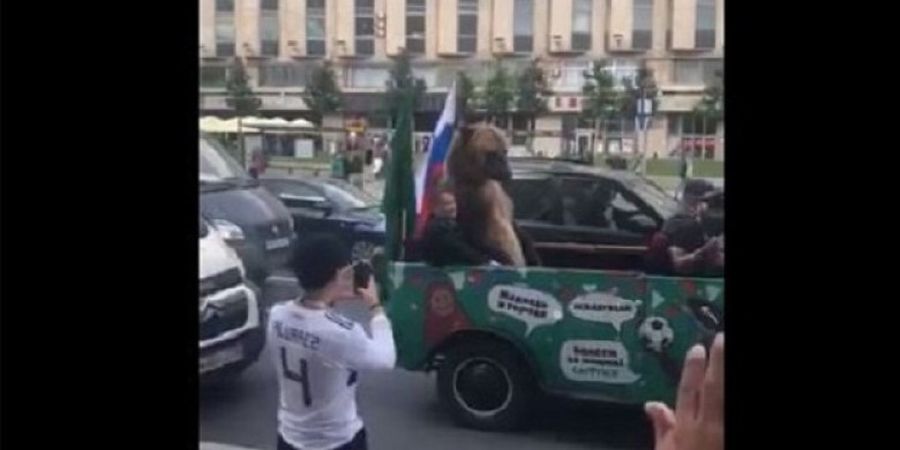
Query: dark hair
{"points": [[317, 258]]}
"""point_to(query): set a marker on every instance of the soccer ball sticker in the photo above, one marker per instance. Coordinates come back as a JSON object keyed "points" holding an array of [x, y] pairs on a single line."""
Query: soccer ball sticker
{"points": [[656, 334]]}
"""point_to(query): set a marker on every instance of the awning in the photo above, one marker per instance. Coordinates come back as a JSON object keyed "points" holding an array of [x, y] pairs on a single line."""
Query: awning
{"points": [[210, 124]]}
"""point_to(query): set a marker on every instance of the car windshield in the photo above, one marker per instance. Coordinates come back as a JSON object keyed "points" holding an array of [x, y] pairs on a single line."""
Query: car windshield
{"points": [[654, 196], [217, 165], [348, 196]]}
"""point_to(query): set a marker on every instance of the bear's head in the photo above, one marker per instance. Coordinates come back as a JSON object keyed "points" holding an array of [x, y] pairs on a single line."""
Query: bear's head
{"points": [[479, 154]]}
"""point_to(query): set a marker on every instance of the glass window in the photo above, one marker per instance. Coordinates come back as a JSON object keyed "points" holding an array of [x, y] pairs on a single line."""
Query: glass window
{"points": [[581, 25], [268, 5], [225, 6], [706, 24], [225, 34], [415, 26], [364, 27], [213, 76], [268, 32], [621, 69], [533, 199], [523, 25], [315, 27], [467, 33], [367, 77], [689, 72], [282, 75], [216, 164], [642, 35]]}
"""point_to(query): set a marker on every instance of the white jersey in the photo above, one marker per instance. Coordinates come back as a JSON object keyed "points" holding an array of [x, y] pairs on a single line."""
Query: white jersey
{"points": [[317, 355]]}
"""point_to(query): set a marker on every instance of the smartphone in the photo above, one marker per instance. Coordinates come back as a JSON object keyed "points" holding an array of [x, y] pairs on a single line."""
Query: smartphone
{"points": [[362, 272]]}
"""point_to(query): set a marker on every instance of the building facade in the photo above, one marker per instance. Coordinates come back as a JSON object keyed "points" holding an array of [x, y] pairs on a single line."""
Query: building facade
{"points": [[681, 41]]}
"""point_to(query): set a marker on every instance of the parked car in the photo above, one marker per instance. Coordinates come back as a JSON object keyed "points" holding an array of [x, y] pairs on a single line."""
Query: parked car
{"points": [[582, 216], [251, 219], [334, 206], [231, 318]]}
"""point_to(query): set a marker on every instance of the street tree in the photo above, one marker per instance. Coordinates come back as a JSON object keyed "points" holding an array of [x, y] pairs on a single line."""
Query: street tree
{"points": [[499, 93], [711, 106], [323, 94], [240, 99], [466, 95], [603, 99], [402, 81], [531, 95]]}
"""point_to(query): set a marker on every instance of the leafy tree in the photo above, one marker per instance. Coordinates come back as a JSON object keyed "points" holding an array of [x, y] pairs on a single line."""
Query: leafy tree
{"points": [[323, 94], [240, 99], [603, 99], [401, 81], [532, 93], [499, 93], [711, 106]]}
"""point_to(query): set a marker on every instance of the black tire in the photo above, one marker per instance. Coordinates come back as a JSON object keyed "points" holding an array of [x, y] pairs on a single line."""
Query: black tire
{"points": [[480, 408]]}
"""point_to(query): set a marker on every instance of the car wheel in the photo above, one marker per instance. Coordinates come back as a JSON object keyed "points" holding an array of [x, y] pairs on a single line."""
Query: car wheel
{"points": [[363, 250], [486, 385]]}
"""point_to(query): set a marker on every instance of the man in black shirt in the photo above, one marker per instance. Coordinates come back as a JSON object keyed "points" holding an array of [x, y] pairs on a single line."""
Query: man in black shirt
{"points": [[443, 243], [692, 251]]}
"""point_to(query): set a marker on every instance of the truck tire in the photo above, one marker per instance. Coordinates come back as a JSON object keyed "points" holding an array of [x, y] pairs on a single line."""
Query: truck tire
{"points": [[486, 385]]}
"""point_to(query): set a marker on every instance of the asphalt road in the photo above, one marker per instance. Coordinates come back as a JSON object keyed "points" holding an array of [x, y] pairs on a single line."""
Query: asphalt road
{"points": [[401, 411]]}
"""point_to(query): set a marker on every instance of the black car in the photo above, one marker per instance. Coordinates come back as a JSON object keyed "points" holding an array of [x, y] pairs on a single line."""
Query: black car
{"points": [[251, 219], [583, 216], [334, 206]]}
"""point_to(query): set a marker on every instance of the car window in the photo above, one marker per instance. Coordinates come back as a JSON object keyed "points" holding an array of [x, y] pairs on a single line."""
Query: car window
{"points": [[216, 163], [535, 198], [597, 203]]}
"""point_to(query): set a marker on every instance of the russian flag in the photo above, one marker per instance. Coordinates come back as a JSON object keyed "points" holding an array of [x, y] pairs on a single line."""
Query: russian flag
{"points": [[432, 167]]}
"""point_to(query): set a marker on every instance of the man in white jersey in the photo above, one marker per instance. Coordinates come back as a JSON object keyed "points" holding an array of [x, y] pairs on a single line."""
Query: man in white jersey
{"points": [[318, 352]]}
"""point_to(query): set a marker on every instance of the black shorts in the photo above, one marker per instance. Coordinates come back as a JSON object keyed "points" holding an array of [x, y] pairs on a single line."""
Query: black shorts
{"points": [[357, 443]]}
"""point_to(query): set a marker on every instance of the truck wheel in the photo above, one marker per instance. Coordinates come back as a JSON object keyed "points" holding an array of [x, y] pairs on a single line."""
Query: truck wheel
{"points": [[486, 385]]}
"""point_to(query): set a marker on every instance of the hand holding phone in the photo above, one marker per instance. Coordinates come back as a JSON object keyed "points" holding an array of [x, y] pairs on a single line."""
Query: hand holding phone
{"points": [[364, 284]]}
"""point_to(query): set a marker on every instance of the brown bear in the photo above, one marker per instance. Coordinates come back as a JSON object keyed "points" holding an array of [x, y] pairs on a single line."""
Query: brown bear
{"points": [[478, 168]]}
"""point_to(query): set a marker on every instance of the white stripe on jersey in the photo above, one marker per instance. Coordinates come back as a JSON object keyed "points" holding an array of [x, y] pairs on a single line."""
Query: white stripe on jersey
{"points": [[317, 354]]}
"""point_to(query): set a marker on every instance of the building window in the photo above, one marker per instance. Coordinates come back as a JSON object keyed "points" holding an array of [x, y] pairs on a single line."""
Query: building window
{"points": [[268, 27], [523, 25], [621, 69], [415, 26], [315, 27], [692, 134], [224, 27], [366, 77], [581, 25], [364, 27], [569, 77], [213, 76], [697, 72], [642, 35], [283, 75], [706, 24], [467, 31]]}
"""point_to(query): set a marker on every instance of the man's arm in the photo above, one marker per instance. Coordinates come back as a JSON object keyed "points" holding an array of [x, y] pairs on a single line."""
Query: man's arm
{"points": [[443, 243], [361, 352]]}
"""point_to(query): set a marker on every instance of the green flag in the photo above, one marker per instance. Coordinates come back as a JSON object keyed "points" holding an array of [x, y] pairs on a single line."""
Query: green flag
{"points": [[399, 203]]}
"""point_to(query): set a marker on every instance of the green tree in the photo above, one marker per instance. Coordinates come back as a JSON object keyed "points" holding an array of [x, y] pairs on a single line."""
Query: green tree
{"points": [[712, 104], [531, 95], [603, 99], [240, 99], [323, 94], [466, 95], [402, 81], [499, 93]]}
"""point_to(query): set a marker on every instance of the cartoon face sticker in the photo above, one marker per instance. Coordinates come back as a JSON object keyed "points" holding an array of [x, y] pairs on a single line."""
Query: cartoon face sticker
{"points": [[656, 334], [441, 301]]}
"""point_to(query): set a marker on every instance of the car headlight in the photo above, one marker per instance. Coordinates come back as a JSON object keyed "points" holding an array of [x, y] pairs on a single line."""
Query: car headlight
{"points": [[230, 232]]}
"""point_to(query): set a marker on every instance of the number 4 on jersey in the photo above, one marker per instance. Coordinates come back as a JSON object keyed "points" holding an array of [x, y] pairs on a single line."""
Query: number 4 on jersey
{"points": [[301, 377]]}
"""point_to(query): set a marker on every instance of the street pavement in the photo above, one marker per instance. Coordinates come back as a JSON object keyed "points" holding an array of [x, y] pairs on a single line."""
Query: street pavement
{"points": [[401, 411]]}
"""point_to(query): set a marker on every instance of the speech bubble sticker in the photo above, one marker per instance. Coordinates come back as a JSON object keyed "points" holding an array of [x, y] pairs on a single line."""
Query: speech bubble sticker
{"points": [[535, 308], [589, 287], [459, 279], [596, 362], [712, 292], [604, 307]]}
